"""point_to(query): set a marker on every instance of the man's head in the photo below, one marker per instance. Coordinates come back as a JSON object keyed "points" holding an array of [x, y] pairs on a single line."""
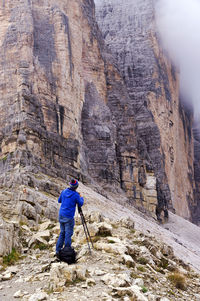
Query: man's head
{"points": [[73, 184]]}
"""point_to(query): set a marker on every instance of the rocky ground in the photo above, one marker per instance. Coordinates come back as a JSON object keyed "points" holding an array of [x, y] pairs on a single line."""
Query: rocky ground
{"points": [[134, 258]]}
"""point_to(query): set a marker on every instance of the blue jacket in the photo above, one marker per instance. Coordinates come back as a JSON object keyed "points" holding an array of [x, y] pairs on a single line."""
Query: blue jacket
{"points": [[68, 199]]}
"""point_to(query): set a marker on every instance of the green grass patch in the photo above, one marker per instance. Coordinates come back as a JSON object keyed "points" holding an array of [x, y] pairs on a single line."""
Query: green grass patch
{"points": [[144, 289], [142, 260], [22, 223], [11, 258], [138, 242], [4, 158], [159, 270], [114, 226], [134, 275], [74, 282], [96, 238], [141, 269], [171, 293], [41, 246]]}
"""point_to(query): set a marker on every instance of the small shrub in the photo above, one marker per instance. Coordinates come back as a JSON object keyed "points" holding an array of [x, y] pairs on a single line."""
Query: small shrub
{"points": [[142, 260], [144, 289], [23, 223], [171, 293], [111, 241], [141, 269], [49, 290], [134, 275], [41, 246], [115, 226], [11, 258], [96, 238], [138, 242], [4, 158], [163, 263], [160, 270], [178, 280], [73, 282]]}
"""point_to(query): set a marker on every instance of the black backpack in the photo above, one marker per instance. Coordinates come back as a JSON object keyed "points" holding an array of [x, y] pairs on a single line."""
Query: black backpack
{"points": [[67, 254]]}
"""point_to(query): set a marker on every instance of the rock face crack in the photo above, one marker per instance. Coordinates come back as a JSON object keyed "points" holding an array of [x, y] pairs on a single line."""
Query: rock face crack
{"points": [[67, 31]]}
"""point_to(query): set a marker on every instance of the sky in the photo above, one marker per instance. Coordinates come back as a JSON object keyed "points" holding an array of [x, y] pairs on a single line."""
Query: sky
{"points": [[178, 23]]}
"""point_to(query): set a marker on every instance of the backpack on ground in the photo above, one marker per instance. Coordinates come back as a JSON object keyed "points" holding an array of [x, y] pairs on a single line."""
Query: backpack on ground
{"points": [[67, 254]]}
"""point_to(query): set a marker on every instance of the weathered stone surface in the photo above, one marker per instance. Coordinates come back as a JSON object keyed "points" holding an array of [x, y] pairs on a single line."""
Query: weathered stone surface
{"points": [[128, 260], [118, 249], [8, 237], [100, 275], [119, 280], [196, 212], [39, 237], [68, 109], [38, 105], [68, 112], [38, 296], [163, 127]]}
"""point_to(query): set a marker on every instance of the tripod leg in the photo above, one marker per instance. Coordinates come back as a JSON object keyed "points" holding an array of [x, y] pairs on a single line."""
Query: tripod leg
{"points": [[88, 231], [85, 230]]}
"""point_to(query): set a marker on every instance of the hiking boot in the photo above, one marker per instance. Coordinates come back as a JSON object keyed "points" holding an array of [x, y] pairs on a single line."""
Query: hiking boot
{"points": [[57, 255]]}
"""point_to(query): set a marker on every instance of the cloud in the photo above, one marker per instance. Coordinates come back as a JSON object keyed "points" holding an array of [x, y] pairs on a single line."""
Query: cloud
{"points": [[178, 23]]}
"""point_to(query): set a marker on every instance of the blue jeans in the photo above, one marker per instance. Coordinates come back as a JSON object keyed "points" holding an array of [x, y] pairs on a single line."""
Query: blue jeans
{"points": [[66, 232]]}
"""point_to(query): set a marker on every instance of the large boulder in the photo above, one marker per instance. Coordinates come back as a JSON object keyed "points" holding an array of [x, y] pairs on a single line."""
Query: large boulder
{"points": [[8, 237]]}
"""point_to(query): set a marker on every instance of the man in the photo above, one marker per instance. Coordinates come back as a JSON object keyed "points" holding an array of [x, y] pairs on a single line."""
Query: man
{"points": [[68, 198]]}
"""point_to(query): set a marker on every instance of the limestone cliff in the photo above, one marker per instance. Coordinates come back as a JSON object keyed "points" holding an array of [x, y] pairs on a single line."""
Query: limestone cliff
{"points": [[68, 108], [162, 123], [54, 116], [196, 213]]}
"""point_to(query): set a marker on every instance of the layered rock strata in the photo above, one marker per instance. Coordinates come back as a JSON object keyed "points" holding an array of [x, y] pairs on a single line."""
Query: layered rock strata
{"points": [[64, 109], [196, 132], [68, 109], [163, 125]]}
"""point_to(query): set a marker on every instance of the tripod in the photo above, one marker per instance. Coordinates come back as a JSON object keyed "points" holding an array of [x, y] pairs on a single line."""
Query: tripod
{"points": [[87, 234]]}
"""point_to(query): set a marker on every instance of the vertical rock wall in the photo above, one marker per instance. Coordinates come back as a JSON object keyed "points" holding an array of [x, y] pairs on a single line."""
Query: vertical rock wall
{"points": [[162, 124], [119, 159], [42, 91], [196, 212], [65, 108], [69, 109]]}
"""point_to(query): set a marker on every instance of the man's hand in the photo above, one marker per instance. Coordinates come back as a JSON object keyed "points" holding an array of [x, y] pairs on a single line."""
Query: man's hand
{"points": [[79, 209]]}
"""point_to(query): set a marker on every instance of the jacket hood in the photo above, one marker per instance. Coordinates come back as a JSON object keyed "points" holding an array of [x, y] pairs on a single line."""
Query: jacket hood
{"points": [[69, 192]]}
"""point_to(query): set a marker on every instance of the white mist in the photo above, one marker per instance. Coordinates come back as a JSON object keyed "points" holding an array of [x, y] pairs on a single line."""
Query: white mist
{"points": [[178, 23]]}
